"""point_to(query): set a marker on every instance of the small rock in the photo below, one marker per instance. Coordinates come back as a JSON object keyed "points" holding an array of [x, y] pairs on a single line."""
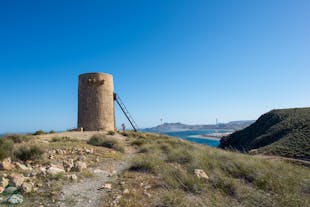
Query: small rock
{"points": [[3, 183], [97, 159], [79, 166], [81, 158], [147, 194], [22, 166], [68, 165], [53, 170], [42, 170], [6, 164], [99, 171], [27, 187], [15, 199], [201, 174], [73, 177], [17, 179], [10, 190], [126, 191]]}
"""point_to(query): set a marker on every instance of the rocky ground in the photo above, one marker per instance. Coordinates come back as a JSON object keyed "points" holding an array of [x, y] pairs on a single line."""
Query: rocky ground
{"points": [[70, 172]]}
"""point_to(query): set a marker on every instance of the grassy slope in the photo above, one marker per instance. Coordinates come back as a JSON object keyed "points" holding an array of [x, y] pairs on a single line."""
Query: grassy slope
{"points": [[283, 132], [161, 174]]}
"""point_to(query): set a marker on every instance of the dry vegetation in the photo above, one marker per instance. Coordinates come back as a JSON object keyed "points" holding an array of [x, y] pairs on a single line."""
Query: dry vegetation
{"points": [[162, 175]]}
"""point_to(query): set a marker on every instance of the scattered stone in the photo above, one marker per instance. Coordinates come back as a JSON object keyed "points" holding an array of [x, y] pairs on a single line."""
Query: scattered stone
{"points": [[53, 170], [108, 186], [99, 171], [201, 174], [17, 179], [81, 158], [79, 166], [97, 159], [68, 165], [147, 194], [22, 166], [50, 157], [6, 164], [126, 191], [26, 187], [42, 170], [10, 190], [3, 183], [15, 199], [73, 177]]}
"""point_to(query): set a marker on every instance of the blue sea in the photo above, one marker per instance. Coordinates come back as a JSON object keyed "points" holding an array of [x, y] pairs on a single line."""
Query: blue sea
{"points": [[187, 135]]}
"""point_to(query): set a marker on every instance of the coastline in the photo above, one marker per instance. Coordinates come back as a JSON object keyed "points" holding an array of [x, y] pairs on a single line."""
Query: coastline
{"points": [[205, 136]]}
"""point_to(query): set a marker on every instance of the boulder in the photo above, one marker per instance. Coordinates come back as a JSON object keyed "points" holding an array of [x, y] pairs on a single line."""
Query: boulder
{"points": [[6, 164], [16, 179], [15, 199], [201, 174]]}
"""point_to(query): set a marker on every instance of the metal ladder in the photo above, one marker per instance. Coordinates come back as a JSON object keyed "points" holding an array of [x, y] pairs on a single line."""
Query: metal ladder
{"points": [[126, 112]]}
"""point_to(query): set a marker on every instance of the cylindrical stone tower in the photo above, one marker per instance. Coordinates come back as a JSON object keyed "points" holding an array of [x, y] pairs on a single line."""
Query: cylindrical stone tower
{"points": [[96, 102]]}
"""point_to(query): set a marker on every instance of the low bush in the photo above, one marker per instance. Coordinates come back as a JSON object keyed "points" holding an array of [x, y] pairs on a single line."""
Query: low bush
{"points": [[179, 155], [52, 132], [111, 132], [6, 147], [18, 138], [29, 152], [177, 179], [138, 142], [39, 132], [63, 139], [101, 140], [146, 164]]}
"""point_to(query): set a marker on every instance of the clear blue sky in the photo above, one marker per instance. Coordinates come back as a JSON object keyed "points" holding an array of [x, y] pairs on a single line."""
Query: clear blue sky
{"points": [[189, 61]]}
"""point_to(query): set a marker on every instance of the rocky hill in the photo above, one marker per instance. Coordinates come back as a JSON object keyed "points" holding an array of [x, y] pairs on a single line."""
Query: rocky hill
{"points": [[284, 132], [103, 169], [169, 127]]}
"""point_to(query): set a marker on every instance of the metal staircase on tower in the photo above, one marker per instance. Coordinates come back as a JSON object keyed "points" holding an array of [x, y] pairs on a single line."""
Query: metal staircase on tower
{"points": [[126, 112]]}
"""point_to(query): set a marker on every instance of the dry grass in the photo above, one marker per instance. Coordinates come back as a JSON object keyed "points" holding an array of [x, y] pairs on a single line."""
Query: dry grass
{"points": [[167, 165]]}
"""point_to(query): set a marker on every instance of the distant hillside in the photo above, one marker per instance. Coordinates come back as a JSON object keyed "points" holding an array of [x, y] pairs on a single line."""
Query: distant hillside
{"points": [[168, 127], [284, 132]]}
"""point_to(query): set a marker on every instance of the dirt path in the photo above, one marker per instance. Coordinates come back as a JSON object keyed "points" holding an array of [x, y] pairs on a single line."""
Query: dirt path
{"points": [[89, 192]]}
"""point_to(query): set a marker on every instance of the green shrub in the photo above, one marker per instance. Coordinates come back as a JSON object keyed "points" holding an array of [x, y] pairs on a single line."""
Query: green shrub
{"points": [[6, 147], [39, 132], [138, 142], [180, 156], [18, 138], [63, 139], [52, 132], [146, 164], [29, 152], [172, 199], [111, 132], [101, 140], [177, 179]]}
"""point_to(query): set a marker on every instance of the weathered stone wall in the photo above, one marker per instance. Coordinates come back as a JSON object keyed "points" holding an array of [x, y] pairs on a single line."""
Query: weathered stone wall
{"points": [[96, 102]]}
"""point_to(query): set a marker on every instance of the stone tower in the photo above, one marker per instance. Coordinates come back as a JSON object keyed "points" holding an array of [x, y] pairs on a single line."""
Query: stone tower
{"points": [[96, 102]]}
